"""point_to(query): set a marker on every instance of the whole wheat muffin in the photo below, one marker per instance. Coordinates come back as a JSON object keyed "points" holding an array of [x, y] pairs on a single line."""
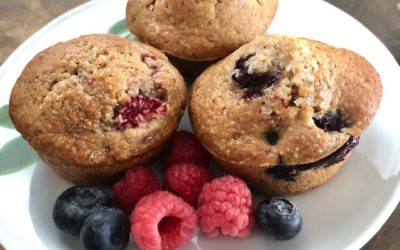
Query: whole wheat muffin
{"points": [[199, 30], [284, 113], [96, 105]]}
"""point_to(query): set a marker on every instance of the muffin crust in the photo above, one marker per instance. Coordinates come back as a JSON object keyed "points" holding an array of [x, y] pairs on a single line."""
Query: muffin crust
{"points": [[199, 30]]}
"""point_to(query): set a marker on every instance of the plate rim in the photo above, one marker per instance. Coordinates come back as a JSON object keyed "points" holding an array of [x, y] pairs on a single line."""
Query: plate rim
{"points": [[361, 240]]}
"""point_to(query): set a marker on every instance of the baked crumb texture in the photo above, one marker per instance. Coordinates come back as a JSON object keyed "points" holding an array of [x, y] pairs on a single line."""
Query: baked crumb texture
{"points": [[279, 102], [199, 30], [96, 105]]}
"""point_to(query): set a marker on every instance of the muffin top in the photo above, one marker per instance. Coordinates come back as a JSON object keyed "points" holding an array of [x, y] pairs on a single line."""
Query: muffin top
{"points": [[97, 99], [283, 101], [199, 30]]}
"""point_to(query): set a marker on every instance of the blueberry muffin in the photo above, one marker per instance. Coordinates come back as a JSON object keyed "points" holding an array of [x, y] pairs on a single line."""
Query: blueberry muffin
{"points": [[97, 105], [284, 113], [199, 30]]}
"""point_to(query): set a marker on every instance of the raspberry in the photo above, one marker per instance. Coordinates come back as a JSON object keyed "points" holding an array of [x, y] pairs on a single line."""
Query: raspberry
{"points": [[162, 220], [150, 59], [186, 180], [186, 148], [138, 109], [225, 204], [138, 182]]}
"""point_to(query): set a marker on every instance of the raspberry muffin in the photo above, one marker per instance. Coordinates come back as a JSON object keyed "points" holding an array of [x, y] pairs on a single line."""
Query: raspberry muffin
{"points": [[284, 113], [96, 105], [199, 30]]}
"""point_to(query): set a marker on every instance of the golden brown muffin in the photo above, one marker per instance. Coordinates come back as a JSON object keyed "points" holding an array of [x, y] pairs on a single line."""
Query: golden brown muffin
{"points": [[199, 30], [283, 113], [97, 105]]}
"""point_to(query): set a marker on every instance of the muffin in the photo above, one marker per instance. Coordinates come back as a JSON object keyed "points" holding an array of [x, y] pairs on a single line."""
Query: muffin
{"points": [[97, 105], [284, 113], [199, 30], [189, 70]]}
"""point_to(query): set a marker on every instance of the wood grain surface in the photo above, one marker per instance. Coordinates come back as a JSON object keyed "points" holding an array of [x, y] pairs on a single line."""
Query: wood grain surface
{"points": [[19, 19]]}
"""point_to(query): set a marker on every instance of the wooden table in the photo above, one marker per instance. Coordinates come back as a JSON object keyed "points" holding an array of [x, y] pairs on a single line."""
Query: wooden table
{"points": [[21, 18]]}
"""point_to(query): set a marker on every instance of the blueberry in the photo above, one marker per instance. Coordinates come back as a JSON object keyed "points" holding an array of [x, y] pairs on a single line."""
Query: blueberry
{"points": [[75, 204], [279, 218], [106, 228], [331, 121], [253, 83], [272, 137]]}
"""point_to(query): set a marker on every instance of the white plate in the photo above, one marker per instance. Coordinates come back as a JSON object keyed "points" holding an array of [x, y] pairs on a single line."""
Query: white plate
{"points": [[342, 214]]}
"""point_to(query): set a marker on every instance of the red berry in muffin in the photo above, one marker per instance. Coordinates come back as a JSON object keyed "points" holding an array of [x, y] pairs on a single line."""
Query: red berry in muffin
{"points": [[137, 110]]}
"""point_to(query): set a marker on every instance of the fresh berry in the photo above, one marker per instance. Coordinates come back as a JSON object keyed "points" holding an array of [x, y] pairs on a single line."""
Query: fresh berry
{"points": [[186, 180], [225, 205], [138, 182], [75, 204], [252, 82], [138, 109], [187, 148], [279, 218], [106, 229], [331, 121], [162, 220]]}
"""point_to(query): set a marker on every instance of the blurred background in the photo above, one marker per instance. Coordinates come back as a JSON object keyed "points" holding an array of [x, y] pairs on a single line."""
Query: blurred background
{"points": [[382, 17], [19, 19]]}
